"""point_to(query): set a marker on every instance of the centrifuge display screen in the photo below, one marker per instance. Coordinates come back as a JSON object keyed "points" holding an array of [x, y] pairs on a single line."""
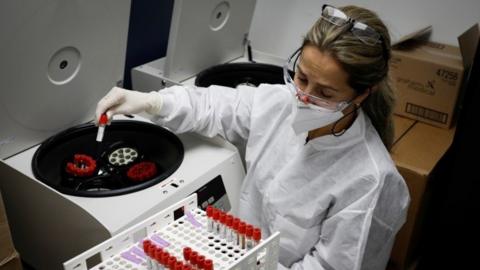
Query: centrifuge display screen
{"points": [[132, 156]]}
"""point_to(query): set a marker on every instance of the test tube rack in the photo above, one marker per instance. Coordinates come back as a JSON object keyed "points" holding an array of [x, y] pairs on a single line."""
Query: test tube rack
{"points": [[124, 251]]}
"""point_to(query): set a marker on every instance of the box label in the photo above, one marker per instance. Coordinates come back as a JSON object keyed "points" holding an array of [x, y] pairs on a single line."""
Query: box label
{"points": [[449, 77], [426, 113], [427, 88]]}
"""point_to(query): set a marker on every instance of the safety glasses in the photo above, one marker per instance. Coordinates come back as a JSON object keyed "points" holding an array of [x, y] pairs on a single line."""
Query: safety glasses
{"points": [[335, 16], [303, 96], [363, 32]]}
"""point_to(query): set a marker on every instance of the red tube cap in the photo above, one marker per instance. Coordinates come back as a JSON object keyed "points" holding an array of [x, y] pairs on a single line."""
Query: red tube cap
{"points": [[186, 253], [257, 234], [249, 231], [103, 119], [200, 261], [208, 264], [241, 227], [209, 211]]}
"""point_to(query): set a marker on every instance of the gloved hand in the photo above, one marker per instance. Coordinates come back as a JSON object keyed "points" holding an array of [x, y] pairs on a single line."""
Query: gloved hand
{"points": [[122, 101]]}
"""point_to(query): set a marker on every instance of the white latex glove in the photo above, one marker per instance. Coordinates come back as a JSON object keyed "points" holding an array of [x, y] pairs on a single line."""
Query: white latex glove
{"points": [[122, 101]]}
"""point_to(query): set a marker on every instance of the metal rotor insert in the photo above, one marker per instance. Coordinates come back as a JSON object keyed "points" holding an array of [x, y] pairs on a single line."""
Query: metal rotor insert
{"points": [[122, 156]]}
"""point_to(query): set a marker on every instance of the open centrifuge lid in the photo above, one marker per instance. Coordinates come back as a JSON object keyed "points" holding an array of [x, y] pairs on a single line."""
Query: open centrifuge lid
{"points": [[206, 33], [58, 58]]}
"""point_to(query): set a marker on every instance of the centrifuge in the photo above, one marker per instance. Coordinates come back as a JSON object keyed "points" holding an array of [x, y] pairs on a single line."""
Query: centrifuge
{"points": [[63, 191]]}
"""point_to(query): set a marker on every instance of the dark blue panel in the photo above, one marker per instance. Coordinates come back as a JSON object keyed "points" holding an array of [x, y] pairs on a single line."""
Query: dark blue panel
{"points": [[148, 33]]}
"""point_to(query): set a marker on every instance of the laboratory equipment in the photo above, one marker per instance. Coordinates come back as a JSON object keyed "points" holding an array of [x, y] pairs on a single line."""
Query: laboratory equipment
{"points": [[201, 35], [220, 54], [180, 232], [58, 59]]}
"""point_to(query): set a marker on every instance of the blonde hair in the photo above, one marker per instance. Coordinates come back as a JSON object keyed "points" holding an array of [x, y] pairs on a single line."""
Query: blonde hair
{"points": [[367, 65]]}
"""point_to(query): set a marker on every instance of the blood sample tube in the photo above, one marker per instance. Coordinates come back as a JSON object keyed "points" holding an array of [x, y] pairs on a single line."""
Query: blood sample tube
{"points": [[178, 266], [222, 224], [249, 237], [171, 262], [215, 221], [164, 259], [158, 257], [228, 228], [210, 218], [102, 122], [208, 265], [200, 262], [235, 224], [151, 254], [193, 260], [146, 249], [241, 235], [257, 236], [186, 253]]}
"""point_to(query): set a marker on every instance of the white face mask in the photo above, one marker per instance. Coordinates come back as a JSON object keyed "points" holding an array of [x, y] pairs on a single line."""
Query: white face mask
{"points": [[309, 117]]}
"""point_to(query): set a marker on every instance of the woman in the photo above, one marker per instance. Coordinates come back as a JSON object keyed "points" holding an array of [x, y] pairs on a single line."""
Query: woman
{"points": [[318, 167]]}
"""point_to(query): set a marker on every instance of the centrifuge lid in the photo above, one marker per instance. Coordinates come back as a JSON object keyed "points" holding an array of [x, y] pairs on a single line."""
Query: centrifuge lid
{"points": [[58, 58], [206, 33]]}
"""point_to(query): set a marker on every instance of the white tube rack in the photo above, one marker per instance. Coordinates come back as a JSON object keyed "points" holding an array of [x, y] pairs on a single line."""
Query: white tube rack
{"points": [[124, 251]]}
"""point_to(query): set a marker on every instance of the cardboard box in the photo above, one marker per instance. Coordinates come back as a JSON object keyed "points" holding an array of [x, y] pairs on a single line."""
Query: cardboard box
{"points": [[428, 78], [13, 264], [417, 149], [7, 252]]}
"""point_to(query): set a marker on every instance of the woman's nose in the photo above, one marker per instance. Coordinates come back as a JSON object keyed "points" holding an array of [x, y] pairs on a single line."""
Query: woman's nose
{"points": [[308, 90]]}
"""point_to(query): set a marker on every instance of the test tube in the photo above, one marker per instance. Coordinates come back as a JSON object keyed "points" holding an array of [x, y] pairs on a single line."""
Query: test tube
{"points": [[208, 265], [171, 262], [235, 224], [158, 256], [102, 122], [241, 235], [146, 249], [210, 218], [257, 236], [200, 262], [187, 251], [193, 260], [222, 224], [178, 266], [215, 216], [164, 259], [228, 228], [151, 255], [249, 237]]}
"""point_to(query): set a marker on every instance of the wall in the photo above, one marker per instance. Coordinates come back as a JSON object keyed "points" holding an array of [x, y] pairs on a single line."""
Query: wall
{"points": [[278, 25]]}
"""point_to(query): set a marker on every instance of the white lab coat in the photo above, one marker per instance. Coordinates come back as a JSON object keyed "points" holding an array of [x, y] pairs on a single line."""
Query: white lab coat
{"points": [[337, 201]]}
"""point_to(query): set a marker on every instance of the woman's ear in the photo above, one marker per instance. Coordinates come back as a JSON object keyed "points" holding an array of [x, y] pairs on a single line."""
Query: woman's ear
{"points": [[360, 98]]}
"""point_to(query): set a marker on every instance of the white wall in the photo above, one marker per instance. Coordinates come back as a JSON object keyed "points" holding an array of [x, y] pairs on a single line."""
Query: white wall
{"points": [[279, 25]]}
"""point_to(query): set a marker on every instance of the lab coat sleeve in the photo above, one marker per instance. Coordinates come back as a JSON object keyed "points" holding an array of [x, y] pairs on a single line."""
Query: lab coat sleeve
{"points": [[342, 240], [342, 245], [211, 111]]}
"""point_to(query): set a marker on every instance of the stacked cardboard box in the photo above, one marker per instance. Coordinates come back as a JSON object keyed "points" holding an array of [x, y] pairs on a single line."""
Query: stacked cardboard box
{"points": [[8, 256], [428, 78], [417, 150], [429, 81]]}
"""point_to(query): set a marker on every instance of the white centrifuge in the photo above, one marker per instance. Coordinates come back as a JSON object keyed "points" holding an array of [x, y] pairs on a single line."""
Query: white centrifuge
{"points": [[64, 192]]}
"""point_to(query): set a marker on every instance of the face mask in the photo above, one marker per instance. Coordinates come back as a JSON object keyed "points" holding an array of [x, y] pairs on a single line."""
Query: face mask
{"points": [[309, 117]]}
